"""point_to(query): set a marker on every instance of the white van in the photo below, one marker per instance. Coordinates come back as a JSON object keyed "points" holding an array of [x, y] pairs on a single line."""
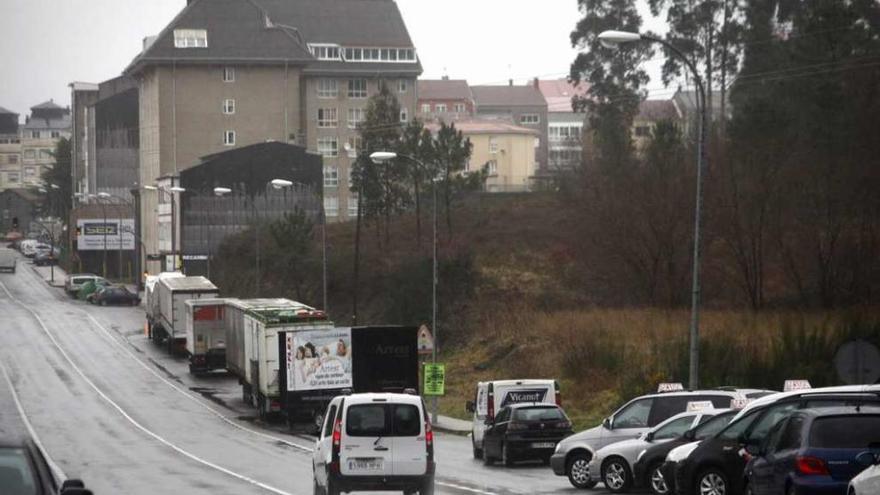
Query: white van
{"points": [[492, 396], [375, 442], [28, 247]]}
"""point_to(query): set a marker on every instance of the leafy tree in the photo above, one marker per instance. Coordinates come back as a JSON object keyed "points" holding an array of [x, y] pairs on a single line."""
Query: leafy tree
{"points": [[451, 152], [417, 142], [615, 76], [292, 237], [59, 198]]}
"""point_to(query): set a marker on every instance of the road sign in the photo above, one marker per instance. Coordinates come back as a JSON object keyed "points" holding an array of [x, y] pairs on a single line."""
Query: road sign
{"points": [[435, 379], [426, 340], [858, 361]]}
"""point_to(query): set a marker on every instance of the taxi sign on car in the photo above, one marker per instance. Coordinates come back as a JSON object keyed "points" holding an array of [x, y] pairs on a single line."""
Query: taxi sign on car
{"points": [[670, 387]]}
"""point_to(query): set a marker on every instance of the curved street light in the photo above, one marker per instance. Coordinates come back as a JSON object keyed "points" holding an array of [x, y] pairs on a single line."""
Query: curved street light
{"points": [[612, 39]]}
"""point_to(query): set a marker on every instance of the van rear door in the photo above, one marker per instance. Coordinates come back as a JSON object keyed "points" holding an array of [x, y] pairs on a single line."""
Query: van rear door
{"points": [[409, 450], [367, 442], [538, 393]]}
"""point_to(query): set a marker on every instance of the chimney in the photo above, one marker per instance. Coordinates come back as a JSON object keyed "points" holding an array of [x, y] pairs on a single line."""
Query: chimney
{"points": [[536, 84], [445, 78], [510, 82]]}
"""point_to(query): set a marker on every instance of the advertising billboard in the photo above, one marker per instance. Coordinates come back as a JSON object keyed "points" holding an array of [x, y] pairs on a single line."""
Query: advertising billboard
{"points": [[95, 234], [318, 359]]}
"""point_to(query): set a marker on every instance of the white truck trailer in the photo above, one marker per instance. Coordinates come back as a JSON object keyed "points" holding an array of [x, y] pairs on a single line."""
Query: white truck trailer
{"points": [[206, 334], [151, 298], [172, 293]]}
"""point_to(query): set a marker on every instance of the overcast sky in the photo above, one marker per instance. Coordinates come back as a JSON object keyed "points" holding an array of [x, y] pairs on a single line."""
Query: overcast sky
{"points": [[50, 43]]}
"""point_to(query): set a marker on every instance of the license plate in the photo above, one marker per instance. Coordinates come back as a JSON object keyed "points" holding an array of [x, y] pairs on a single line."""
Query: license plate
{"points": [[543, 445], [365, 464]]}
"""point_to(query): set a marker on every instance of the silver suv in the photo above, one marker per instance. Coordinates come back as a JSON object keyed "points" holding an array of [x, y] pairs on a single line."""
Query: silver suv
{"points": [[573, 454]]}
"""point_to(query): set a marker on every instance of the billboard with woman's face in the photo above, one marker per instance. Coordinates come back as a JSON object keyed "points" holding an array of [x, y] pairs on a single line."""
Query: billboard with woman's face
{"points": [[318, 359]]}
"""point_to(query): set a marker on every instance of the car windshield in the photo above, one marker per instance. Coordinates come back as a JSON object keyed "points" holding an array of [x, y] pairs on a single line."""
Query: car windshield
{"points": [[538, 414], [713, 425], [845, 432], [16, 475]]}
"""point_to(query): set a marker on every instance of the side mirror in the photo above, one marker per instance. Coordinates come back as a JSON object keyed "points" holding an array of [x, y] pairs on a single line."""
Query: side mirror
{"points": [[470, 406], [649, 437], [607, 424], [866, 459], [754, 450]]}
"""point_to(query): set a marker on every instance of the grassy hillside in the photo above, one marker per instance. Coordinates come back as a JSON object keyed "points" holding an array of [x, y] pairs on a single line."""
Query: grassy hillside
{"points": [[516, 301]]}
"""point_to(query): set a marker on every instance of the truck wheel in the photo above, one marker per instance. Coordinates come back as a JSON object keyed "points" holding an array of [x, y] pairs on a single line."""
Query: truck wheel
{"points": [[246, 396], [261, 407]]}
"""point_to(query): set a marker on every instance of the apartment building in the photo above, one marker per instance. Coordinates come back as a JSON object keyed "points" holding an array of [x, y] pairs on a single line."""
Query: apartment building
{"points": [[524, 106], [229, 73], [650, 113], [565, 127], [445, 99], [10, 150], [82, 96], [46, 125]]}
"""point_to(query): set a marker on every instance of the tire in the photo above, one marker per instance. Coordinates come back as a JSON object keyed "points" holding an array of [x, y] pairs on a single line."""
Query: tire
{"points": [[487, 459], [478, 453], [427, 487], [577, 469], [616, 475], [332, 489], [712, 482], [655, 480], [103, 303], [506, 458], [747, 489]]}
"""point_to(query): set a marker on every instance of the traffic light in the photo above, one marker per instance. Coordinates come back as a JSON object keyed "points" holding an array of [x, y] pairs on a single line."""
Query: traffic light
{"points": [[14, 223]]}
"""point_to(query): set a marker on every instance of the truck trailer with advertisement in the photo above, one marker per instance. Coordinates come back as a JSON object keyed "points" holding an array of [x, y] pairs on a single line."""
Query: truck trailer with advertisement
{"points": [[319, 364], [171, 293], [252, 346], [206, 334]]}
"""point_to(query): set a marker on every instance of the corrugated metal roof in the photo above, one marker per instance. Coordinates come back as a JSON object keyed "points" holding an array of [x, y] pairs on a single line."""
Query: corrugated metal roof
{"points": [[189, 283]]}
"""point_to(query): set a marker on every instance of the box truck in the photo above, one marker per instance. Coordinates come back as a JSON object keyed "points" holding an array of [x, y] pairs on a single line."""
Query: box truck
{"points": [[171, 294], [206, 334]]}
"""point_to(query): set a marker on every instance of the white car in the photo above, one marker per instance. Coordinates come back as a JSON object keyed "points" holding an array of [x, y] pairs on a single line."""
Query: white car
{"points": [[613, 465], [490, 397], [868, 481], [375, 442]]}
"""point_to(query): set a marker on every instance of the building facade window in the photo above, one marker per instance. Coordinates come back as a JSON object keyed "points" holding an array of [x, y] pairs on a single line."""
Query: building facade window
{"points": [[360, 54], [35, 134], [426, 108], [331, 206], [353, 205], [190, 38], [331, 176], [229, 74], [229, 138], [229, 106], [56, 134], [328, 88], [13, 177], [493, 167], [30, 172], [355, 144], [355, 117], [328, 146], [325, 52], [440, 108], [404, 115], [12, 159], [45, 154], [493, 145], [357, 88], [30, 154], [529, 119], [460, 108], [327, 118], [402, 86], [643, 130]]}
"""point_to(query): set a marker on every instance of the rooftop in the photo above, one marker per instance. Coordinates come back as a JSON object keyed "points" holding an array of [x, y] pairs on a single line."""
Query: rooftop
{"points": [[559, 92], [485, 126], [48, 105], [4, 111], [502, 96], [654, 110], [444, 89]]}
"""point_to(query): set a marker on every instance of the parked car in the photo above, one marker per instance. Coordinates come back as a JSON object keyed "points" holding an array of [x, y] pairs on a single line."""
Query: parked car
{"points": [[75, 282], [717, 461], [573, 454], [28, 247], [46, 248], [45, 258], [24, 469], [868, 481], [375, 442], [647, 470], [812, 452], [111, 295], [491, 396], [91, 286], [613, 464], [523, 432]]}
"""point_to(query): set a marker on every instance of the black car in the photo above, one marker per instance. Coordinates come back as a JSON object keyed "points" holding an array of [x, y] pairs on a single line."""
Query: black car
{"points": [[647, 470], [24, 469], [116, 295], [812, 452], [716, 466], [524, 431], [45, 258]]}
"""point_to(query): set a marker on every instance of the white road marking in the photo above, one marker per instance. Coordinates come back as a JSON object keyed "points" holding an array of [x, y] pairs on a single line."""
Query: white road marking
{"points": [[131, 420], [464, 488], [56, 470]]}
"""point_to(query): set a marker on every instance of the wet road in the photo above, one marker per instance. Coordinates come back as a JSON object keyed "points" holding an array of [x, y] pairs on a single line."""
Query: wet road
{"points": [[113, 409]]}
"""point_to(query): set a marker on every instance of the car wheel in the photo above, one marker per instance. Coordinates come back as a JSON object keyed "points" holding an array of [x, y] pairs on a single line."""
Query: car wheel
{"points": [[747, 490], [578, 470], [316, 490], [487, 459], [506, 458], [656, 480], [478, 453], [712, 482], [103, 303], [616, 475]]}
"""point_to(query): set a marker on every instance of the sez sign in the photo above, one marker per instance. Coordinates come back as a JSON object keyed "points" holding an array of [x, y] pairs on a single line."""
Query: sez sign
{"points": [[95, 234]]}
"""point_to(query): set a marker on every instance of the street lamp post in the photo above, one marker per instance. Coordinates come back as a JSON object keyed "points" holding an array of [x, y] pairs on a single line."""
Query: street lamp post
{"points": [[612, 39], [382, 157], [219, 192], [121, 201]]}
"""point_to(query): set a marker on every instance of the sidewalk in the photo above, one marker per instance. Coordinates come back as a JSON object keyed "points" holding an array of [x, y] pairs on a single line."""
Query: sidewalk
{"points": [[45, 272], [452, 425]]}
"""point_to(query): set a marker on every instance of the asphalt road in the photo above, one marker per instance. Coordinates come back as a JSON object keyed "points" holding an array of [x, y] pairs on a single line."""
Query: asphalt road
{"points": [[113, 409]]}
